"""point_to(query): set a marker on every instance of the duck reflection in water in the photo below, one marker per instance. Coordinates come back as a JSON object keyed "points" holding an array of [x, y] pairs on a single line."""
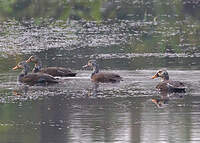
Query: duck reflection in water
{"points": [[21, 90], [160, 103], [94, 90], [164, 98]]}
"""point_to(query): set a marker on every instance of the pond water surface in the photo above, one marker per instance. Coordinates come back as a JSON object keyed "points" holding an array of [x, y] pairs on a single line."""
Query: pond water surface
{"points": [[132, 38]]}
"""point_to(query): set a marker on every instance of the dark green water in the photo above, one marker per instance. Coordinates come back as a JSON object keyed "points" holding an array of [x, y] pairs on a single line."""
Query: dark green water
{"points": [[130, 37]]}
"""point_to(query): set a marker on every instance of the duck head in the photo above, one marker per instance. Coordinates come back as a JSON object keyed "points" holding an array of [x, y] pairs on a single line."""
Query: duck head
{"points": [[22, 65], [162, 73], [91, 63], [32, 59], [94, 65], [36, 61]]}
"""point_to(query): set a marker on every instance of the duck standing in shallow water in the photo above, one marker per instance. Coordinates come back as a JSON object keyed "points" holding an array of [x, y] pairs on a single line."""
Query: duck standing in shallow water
{"points": [[167, 85], [33, 78], [102, 76], [54, 71]]}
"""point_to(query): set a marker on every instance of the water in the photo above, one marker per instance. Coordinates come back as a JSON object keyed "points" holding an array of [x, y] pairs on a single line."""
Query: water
{"points": [[132, 38], [75, 110]]}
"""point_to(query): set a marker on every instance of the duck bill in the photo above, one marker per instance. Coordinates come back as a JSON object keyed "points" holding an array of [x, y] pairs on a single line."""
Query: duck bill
{"points": [[85, 66], [16, 67], [28, 61], [155, 76], [154, 101]]}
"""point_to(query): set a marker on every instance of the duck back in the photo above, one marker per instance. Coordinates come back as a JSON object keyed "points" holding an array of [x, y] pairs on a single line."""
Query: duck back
{"points": [[58, 71]]}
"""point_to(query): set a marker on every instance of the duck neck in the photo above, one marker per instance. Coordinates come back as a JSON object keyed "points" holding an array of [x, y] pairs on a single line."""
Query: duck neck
{"points": [[23, 73], [25, 70], [21, 76], [165, 78], [37, 67], [95, 70]]}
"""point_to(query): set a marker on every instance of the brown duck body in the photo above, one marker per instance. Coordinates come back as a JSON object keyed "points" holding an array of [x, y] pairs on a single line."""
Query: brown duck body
{"points": [[102, 76], [58, 71], [171, 86], [167, 85], [106, 77], [33, 78], [54, 71], [37, 78]]}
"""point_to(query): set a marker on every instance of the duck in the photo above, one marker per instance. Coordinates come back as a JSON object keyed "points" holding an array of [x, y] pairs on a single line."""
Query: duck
{"points": [[167, 85], [33, 78], [54, 71], [102, 77]]}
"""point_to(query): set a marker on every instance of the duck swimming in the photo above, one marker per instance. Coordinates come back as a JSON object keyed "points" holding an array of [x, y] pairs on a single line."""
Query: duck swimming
{"points": [[54, 71], [167, 85], [33, 78], [102, 76]]}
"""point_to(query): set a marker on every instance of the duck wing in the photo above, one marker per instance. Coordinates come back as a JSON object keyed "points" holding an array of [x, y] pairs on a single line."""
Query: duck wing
{"points": [[175, 84], [171, 86], [34, 78]]}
